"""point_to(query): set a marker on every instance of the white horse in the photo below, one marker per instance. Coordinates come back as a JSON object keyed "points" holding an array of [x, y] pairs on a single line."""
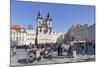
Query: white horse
{"points": [[65, 46]]}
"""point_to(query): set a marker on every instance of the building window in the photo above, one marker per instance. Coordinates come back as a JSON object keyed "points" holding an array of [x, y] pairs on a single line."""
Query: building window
{"points": [[14, 33], [20, 39], [39, 22], [16, 38]]}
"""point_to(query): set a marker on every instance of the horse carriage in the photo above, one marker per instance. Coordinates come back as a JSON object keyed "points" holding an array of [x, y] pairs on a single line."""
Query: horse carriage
{"points": [[45, 52]]}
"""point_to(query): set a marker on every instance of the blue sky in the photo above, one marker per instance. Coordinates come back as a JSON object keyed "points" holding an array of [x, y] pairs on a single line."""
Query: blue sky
{"points": [[63, 15]]}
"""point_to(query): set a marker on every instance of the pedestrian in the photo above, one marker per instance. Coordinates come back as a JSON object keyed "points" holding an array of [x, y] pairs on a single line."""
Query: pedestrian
{"points": [[25, 48], [70, 51], [83, 49], [86, 50], [59, 50], [14, 50], [94, 48]]}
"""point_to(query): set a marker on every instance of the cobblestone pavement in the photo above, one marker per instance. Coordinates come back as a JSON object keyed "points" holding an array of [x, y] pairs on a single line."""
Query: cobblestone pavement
{"points": [[20, 59]]}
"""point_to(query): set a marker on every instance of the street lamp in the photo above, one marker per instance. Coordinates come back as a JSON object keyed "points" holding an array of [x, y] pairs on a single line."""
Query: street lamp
{"points": [[36, 38]]}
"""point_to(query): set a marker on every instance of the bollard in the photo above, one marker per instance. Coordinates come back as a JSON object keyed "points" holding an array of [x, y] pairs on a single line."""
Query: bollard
{"points": [[74, 54]]}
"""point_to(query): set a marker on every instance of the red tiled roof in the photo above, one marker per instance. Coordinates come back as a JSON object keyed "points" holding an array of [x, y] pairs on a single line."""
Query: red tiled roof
{"points": [[17, 28]]}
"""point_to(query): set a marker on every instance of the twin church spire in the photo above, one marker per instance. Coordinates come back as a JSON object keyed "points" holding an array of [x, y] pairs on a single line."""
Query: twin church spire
{"points": [[47, 18], [39, 16], [44, 26]]}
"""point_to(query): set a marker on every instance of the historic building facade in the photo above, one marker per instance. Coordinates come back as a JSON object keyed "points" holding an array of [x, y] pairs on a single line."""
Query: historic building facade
{"points": [[44, 30], [91, 33], [21, 36], [77, 32], [81, 33], [43, 33], [44, 25]]}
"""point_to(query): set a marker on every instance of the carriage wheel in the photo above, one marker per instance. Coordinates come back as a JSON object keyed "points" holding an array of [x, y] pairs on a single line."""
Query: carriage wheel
{"points": [[30, 57]]}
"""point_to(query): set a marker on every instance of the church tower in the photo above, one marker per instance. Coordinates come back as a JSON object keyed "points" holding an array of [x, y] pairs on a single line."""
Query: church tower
{"points": [[39, 23], [49, 24]]}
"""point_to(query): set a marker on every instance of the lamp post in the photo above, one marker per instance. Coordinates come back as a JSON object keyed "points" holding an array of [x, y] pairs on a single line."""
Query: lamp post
{"points": [[36, 38]]}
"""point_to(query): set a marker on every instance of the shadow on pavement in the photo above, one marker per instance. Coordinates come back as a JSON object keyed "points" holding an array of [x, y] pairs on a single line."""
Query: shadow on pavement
{"points": [[22, 61]]}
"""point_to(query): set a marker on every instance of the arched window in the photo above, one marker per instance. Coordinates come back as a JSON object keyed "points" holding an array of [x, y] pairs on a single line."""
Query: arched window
{"points": [[39, 22], [49, 22]]}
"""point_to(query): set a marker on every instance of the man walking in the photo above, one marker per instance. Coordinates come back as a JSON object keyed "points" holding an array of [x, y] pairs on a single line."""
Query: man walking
{"points": [[59, 50], [83, 49], [14, 50]]}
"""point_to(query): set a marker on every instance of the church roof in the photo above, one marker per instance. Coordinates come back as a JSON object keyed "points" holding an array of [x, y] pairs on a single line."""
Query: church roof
{"points": [[48, 17], [39, 15], [44, 25]]}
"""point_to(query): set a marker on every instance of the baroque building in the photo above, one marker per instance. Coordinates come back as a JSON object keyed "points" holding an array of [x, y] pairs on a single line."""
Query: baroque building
{"points": [[21, 36], [77, 32], [42, 35], [91, 33], [44, 30], [81, 33], [44, 25]]}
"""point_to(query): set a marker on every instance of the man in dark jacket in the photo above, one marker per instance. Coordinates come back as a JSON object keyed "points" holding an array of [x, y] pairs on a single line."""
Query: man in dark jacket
{"points": [[59, 50]]}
